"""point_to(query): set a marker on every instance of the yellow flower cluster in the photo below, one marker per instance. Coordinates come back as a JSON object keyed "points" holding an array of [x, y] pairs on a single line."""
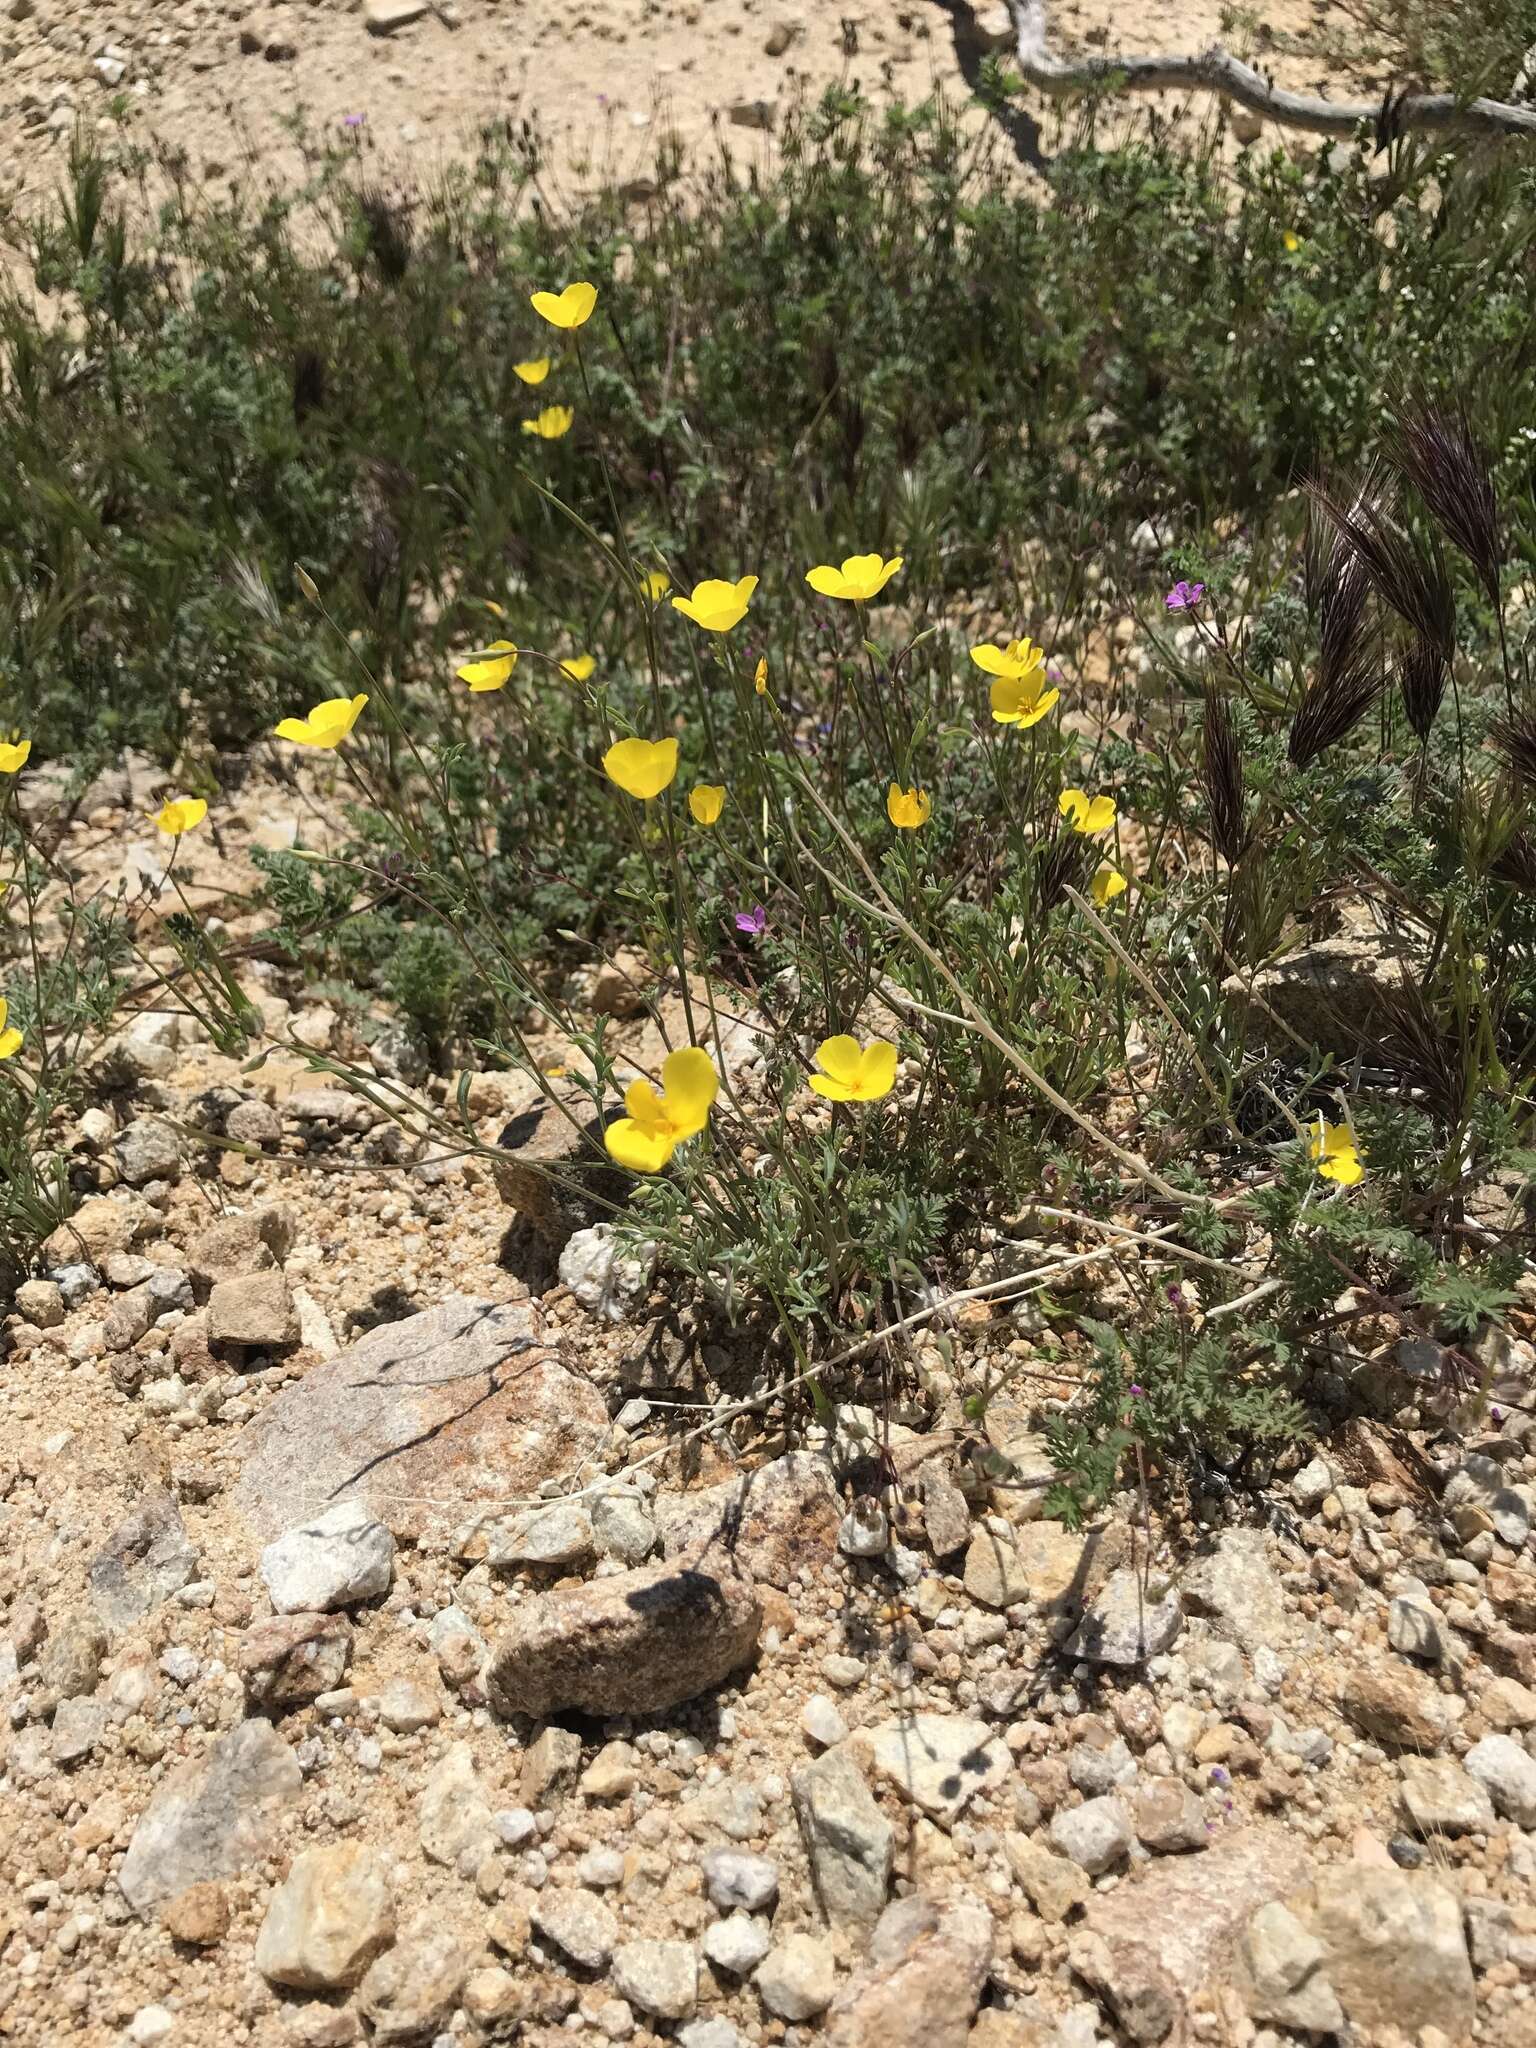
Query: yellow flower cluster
{"points": [[1019, 694], [653, 1126]]}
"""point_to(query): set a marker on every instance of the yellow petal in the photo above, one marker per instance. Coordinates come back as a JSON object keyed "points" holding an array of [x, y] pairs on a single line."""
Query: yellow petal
{"points": [[1107, 884], [10, 1043], [1101, 814], [568, 308], [760, 677], [645, 1105], [716, 605], [827, 581], [534, 371], [834, 1091], [579, 667], [656, 584], [551, 423], [907, 808], [865, 576], [14, 758], [706, 801], [493, 673], [991, 660], [642, 768], [877, 1070], [642, 1151], [181, 815], [1087, 814], [1343, 1167], [839, 1059], [1042, 704], [689, 1086], [1009, 700], [861, 573]]}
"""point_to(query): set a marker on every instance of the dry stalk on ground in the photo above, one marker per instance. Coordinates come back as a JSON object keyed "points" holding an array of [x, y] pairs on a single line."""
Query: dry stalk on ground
{"points": [[1216, 70]]}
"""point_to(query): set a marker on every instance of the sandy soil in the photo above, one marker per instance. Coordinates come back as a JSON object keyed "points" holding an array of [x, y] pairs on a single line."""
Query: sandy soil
{"points": [[230, 84]]}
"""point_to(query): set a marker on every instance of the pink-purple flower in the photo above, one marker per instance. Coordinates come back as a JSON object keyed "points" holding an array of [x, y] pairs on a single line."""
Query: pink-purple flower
{"points": [[752, 923], [1184, 596]]}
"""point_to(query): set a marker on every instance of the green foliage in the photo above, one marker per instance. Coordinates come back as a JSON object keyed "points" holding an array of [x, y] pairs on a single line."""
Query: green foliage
{"points": [[889, 332], [1053, 400], [1164, 1398]]}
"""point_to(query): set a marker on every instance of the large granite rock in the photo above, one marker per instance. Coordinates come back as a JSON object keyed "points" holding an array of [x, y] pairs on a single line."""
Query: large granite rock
{"points": [[1395, 1950], [1337, 993], [925, 1977], [424, 1421], [775, 1522], [327, 1920], [1150, 1946], [212, 1817], [636, 1643], [146, 1559], [848, 1840]]}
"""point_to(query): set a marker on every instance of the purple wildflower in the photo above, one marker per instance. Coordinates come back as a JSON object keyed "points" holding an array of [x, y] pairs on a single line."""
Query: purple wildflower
{"points": [[752, 923], [1136, 1390], [1184, 596], [353, 120]]}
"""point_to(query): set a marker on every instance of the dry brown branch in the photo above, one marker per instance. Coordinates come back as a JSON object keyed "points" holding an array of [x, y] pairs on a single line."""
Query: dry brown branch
{"points": [[1216, 70]]}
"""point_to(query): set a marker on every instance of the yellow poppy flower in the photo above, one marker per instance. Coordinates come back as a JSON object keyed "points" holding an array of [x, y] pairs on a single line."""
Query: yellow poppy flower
{"points": [[578, 667], [491, 674], [1335, 1153], [534, 371], [907, 808], [852, 1072], [568, 308], [642, 768], [10, 1039], [14, 759], [716, 605], [706, 800], [1107, 884], [327, 724], [645, 1139], [1087, 813], [551, 423], [1018, 658], [181, 815], [760, 677], [655, 585], [497, 611], [1022, 700], [860, 578], [1292, 242]]}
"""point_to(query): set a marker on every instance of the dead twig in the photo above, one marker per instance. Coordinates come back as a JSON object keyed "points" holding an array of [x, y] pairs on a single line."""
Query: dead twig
{"points": [[1216, 70]]}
